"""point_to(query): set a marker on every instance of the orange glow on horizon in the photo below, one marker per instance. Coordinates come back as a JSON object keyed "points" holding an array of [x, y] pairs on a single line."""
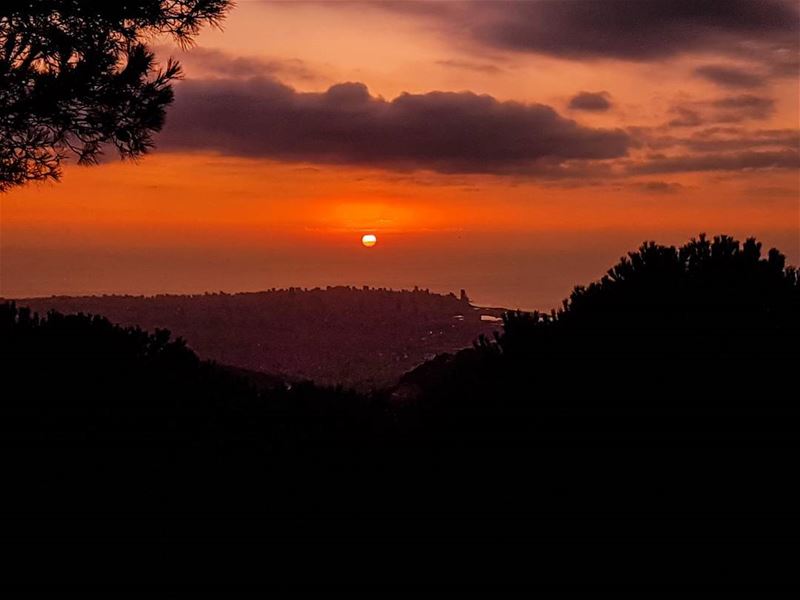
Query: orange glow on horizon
{"points": [[203, 220]]}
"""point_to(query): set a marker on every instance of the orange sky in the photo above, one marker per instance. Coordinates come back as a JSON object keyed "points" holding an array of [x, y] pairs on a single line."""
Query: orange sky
{"points": [[195, 219]]}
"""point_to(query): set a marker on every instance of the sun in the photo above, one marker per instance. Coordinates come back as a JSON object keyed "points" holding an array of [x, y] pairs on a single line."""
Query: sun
{"points": [[369, 240]]}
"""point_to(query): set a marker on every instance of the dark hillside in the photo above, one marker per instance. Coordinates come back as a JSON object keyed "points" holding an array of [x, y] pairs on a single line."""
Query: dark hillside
{"points": [[336, 336]]}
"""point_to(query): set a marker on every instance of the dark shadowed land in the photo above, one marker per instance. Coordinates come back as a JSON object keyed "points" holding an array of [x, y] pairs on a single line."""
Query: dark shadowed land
{"points": [[652, 422], [356, 337]]}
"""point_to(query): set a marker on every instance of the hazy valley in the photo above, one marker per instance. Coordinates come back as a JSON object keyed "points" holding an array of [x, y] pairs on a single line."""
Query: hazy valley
{"points": [[355, 337]]}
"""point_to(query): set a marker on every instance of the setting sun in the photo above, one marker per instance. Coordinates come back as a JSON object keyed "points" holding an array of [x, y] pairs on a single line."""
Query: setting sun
{"points": [[369, 240]]}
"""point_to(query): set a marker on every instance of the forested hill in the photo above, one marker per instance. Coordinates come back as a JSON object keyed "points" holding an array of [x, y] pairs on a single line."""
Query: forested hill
{"points": [[361, 337]]}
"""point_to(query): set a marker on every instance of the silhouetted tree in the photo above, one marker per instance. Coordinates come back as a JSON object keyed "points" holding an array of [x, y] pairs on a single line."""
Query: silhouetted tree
{"points": [[706, 325], [75, 75]]}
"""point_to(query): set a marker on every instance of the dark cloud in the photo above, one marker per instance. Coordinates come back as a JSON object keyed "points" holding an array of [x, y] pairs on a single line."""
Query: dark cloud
{"points": [[740, 108], [592, 101], [719, 139], [635, 29], [205, 62], [471, 66], [731, 109], [659, 187], [686, 117], [440, 131], [730, 77], [624, 29], [738, 161]]}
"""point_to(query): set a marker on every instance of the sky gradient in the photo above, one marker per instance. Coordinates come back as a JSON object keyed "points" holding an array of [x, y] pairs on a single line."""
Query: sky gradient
{"points": [[512, 149]]}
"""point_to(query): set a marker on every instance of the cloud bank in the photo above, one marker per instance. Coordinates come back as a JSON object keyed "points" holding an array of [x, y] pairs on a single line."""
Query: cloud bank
{"points": [[634, 30], [447, 132], [591, 101], [729, 109], [730, 77]]}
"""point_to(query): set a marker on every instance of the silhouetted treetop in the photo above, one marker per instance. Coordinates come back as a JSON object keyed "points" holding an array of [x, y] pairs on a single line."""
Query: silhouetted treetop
{"points": [[709, 322], [703, 285], [724, 273], [75, 76]]}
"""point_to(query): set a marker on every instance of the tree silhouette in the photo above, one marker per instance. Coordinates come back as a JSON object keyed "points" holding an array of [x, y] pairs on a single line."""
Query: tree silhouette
{"points": [[703, 326], [75, 76]]}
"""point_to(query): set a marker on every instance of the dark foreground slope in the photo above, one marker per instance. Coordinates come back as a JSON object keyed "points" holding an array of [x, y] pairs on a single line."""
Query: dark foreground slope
{"points": [[362, 337], [647, 433]]}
